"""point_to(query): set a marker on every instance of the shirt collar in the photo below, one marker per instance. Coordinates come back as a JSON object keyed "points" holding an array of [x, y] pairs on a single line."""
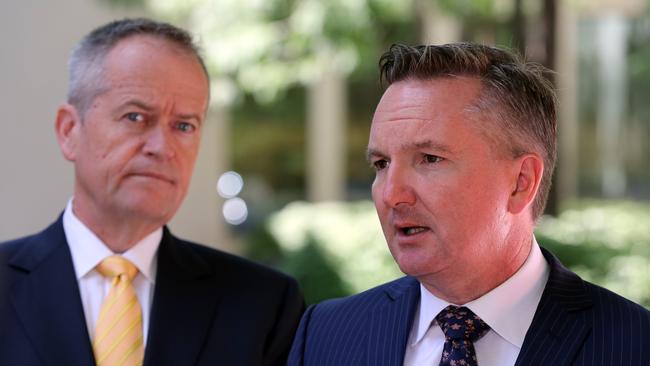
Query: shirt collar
{"points": [[508, 309], [88, 250]]}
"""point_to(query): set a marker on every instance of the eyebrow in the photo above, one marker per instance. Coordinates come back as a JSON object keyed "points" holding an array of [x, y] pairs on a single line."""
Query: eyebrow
{"points": [[372, 152], [426, 144], [429, 145], [137, 103]]}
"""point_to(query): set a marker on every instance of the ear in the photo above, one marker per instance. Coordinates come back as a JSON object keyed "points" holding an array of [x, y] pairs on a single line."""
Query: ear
{"points": [[529, 175], [67, 127]]}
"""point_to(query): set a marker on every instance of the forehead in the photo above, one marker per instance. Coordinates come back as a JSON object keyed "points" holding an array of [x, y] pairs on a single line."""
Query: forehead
{"points": [[145, 60], [433, 112], [427, 99]]}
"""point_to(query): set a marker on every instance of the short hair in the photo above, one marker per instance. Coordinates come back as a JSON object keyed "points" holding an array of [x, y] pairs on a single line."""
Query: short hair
{"points": [[86, 61], [515, 94]]}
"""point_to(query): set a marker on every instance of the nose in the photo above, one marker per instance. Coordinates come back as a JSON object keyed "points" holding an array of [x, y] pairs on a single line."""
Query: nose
{"points": [[158, 142], [397, 188]]}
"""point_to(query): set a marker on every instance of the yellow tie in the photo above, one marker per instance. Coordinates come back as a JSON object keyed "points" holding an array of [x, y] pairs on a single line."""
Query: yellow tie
{"points": [[118, 334]]}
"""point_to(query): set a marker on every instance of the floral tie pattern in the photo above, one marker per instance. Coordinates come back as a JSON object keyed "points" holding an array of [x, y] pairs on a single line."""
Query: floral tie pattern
{"points": [[462, 328]]}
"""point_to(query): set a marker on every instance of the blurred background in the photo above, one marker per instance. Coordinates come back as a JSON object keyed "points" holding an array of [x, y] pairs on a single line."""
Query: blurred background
{"points": [[282, 177]]}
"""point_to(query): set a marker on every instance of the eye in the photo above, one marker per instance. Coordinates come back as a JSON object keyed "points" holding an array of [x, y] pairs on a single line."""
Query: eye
{"points": [[380, 164], [185, 127], [134, 117], [432, 159]]}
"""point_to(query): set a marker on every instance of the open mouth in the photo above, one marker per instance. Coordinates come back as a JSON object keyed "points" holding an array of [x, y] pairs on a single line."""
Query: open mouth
{"points": [[413, 230]]}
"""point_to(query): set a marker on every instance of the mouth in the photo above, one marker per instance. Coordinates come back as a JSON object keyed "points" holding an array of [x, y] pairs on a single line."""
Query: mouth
{"points": [[412, 230], [153, 175]]}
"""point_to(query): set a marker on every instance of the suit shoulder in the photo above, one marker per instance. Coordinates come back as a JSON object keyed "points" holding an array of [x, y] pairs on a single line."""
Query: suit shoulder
{"points": [[607, 303], [235, 265], [12, 245], [8, 248], [340, 323], [370, 297]]}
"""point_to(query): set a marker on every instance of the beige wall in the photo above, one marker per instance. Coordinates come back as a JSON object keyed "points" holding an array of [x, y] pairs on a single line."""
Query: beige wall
{"points": [[36, 182]]}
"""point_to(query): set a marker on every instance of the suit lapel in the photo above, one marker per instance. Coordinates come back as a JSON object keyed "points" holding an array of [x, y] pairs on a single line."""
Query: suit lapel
{"points": [[390, 323], [47, 299], [183, 306], [559, 322]]}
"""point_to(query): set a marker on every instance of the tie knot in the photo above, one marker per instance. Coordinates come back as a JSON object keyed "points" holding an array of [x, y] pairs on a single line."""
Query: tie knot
{"points": [[115, 266], [460, 323]]}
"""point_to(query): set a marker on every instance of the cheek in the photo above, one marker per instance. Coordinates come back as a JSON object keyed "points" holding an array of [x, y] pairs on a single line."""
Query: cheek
{"points": [[376, 192], [189, 159]]}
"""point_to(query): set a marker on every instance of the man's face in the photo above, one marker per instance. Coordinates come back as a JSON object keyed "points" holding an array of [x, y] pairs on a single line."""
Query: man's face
{"points": [[441, 190], [135, 150]]}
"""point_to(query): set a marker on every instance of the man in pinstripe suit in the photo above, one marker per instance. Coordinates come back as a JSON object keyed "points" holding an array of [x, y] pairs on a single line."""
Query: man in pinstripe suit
{"points": [[463, 142]]}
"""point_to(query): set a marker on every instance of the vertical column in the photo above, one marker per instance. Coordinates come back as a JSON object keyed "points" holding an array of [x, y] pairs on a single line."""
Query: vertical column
{"points": [[566, 62], [437, 27], [326, 146], [612, 97]]}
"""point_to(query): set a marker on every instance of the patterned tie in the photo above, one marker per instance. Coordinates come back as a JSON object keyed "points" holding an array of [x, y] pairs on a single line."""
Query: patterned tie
{"points": [[461, 327], [118, 334]]}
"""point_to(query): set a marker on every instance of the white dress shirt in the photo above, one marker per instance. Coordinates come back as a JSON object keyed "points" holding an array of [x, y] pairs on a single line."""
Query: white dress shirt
{"points": [[88, 251], [508, 309]]}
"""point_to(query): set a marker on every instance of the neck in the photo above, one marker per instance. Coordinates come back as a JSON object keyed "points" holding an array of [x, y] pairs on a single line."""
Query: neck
{"points": [[475, 283], [119, 234]]}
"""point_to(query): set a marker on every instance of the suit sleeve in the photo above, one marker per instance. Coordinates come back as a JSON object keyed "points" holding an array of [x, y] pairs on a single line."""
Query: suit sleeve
{"points": [[287, 321]]}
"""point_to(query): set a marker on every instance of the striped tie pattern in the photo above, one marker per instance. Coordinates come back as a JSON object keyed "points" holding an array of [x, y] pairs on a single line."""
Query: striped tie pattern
{"points": [[118, 334]]}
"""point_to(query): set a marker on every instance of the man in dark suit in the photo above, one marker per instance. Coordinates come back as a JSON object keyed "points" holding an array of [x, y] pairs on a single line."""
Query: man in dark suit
{"points": [[463, 142], [107, 283]]}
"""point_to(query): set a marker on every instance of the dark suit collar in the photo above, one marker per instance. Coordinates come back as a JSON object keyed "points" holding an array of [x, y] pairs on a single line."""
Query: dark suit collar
{"points": [[391, 319], [559, 322], [183, 306], [564, 286], [181, 258], [47, 301], [404, 286]]}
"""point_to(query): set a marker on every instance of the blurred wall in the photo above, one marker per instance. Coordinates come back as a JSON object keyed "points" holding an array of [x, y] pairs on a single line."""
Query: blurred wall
{"points": [[36, 37], [36, 181]]}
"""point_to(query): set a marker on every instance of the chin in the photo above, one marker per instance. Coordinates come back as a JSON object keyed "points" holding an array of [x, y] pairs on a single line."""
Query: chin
{"points": [[151, 209], [414, 263]]}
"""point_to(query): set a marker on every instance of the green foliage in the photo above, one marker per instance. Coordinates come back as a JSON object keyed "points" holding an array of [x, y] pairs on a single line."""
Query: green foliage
{"points": [[317, 276], [336, 249], [271, 144], [265, 47], [309, 265], [265, 150], [606, 242], [472, 9]]}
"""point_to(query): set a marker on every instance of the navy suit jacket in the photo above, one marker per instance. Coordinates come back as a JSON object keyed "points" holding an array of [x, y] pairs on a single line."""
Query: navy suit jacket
{"points": [[576, 323], [209, 307]]}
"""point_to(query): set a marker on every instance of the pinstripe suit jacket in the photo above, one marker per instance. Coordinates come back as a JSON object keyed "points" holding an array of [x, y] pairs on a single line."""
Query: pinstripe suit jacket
{"points": [[576, 323]]}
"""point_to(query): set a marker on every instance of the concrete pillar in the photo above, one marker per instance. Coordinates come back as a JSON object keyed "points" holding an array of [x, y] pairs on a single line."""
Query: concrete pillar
{"points": [[326, 148], [612, 100], [566, 61], [437, 27]]}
